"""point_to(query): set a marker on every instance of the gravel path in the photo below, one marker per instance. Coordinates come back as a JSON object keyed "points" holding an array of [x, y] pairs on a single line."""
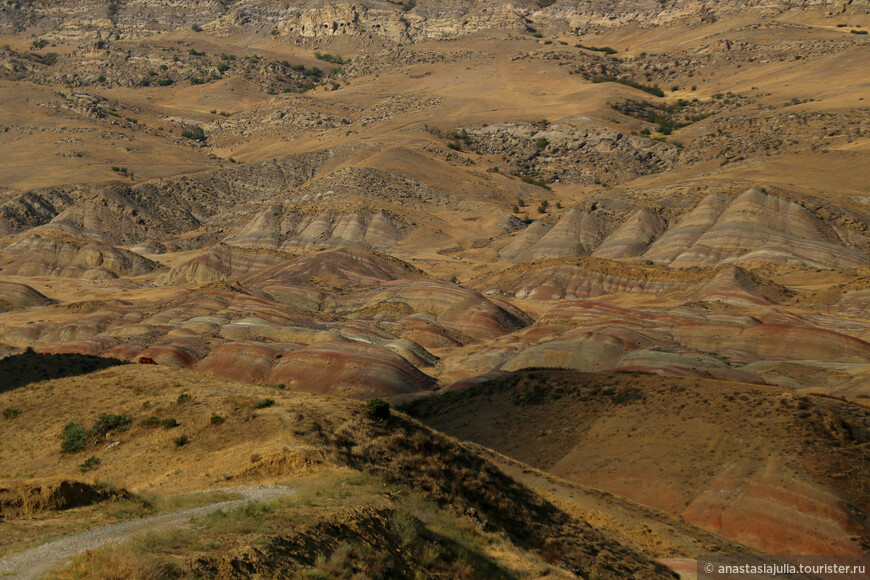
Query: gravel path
{"points": [[38, 561]]}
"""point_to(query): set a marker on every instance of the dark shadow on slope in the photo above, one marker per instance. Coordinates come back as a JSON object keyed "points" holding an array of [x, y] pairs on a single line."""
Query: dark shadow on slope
{"points": [[30, 367]]}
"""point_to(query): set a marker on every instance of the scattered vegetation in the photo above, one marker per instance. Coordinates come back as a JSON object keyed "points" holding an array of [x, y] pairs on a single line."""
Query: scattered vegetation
{"points": [[89, 464], [605, 49], [377, 409], [653, 90], [195, 134], [181, 440], [661, 115], [405, 5], [532, 181], [73, 438], [263, 404], [150, 422], [331, 58], [10, 413]]}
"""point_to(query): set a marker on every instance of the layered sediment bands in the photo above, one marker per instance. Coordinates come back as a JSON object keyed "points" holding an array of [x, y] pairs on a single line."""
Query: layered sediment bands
{"points": [[45, 253], [349, 369], [633, 237], [339, 268], [224, 262], [734, 285], [170, 355], [14, 296], [577, 233], [775, 342], [773, 469], [276, 228], [692, 340], [581, 278], [242, 361], [449, 305], [755, 226], [578, 278]]}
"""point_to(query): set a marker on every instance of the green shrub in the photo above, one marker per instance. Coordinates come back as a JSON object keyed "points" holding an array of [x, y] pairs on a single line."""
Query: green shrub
{"points": [[10, 413], [109, 422], [377, 409], [333, 58], [89, 464], [196, 134], [183, 398], [630, 83], [264, 403], [151, 421], [73, 438], [605, 49], [196, 28], [181, 440], [217, 419], [541, 143], [532, 181], [169, 423]]}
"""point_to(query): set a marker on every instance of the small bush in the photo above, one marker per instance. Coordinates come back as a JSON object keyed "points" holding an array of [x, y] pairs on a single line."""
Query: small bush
{"points": [[169, 423], [89, 464], [217, 419], [181, 440], [195, 134], [541, 143], [605, 49], [264, 403], [532, 181], [183, 398], [10, 413], [858, 31], [73, 438], [151, 421], [196, 28], [377, 409], [109, 422], [333, 58]]}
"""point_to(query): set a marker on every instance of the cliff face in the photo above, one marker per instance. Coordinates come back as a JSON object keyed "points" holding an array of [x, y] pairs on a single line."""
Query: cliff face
{"points": [[391, 20]]}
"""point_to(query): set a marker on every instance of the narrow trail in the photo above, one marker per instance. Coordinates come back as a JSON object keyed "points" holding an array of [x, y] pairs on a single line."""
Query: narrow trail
{"points": [[35, 562]]}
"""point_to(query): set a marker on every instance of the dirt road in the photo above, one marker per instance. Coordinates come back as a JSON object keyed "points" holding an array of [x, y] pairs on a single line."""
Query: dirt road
{"points": [[38, 561]]}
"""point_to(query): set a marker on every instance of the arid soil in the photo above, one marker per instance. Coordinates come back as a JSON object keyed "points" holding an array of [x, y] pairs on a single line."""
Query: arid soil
{"points": [[415, 199]]}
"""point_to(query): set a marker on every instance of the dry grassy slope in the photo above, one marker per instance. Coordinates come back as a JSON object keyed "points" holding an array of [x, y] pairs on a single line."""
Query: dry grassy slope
{"points": [[293, 435], [777, 471]]}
